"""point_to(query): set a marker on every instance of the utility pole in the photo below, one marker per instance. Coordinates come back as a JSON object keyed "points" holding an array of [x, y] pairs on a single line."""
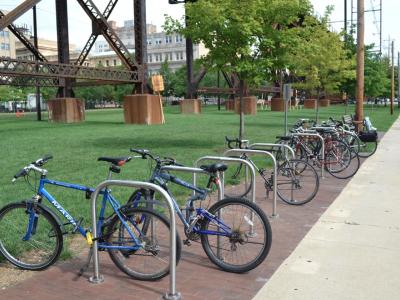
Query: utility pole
{"points": [[398, 79], [345, 18], [351, 17], [360, 65], [392, 83], [35, 42], [380, 29]]}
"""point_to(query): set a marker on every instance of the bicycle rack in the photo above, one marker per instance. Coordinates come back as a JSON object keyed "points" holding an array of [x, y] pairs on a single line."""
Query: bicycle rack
{"points": [[221, 194], [262, 152], [97, 278], [322, 149], [255, 145]]}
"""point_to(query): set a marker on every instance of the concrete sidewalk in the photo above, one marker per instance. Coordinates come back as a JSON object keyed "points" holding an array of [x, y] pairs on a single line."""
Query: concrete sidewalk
{"points": [[352, 252]]}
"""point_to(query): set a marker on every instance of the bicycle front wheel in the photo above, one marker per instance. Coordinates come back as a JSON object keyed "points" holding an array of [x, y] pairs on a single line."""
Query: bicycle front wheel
{"points": [[241, 180], [297, 182], [30, 237], [248, 242], [148, 260]]}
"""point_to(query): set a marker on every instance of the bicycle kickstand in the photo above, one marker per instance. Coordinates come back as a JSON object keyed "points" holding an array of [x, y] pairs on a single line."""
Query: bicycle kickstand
{"points": [[87, 264]]}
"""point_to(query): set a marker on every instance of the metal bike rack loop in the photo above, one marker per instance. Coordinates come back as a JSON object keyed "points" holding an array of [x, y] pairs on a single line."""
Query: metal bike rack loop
{"points": [[256, 145], [97, 278], [322, 148], [265, 153], [221, 194]]}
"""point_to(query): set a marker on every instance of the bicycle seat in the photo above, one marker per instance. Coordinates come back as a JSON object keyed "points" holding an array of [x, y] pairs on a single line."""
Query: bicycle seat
{"points": [[325, 129], [284, 138], [118, 161], [218, 167]]}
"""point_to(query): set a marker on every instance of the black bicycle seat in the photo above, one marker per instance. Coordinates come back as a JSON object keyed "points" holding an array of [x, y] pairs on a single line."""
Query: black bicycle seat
{"points": [[118, 161], [218, 167]]}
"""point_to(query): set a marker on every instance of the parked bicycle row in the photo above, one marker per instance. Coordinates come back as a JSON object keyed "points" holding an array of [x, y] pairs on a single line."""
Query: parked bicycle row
{"points": [[234, 232]]}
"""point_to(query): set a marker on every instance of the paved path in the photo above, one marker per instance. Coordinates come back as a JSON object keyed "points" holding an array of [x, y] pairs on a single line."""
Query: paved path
{"points": [[353, 250]]}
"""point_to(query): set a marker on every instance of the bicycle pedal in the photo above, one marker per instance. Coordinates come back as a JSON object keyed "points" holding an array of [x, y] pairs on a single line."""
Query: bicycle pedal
{"points": [[187, 242]]}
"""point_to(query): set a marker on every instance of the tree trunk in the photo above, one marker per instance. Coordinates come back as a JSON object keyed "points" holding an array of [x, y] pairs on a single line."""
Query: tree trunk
{"points": [[317, 111], [241, 91]]}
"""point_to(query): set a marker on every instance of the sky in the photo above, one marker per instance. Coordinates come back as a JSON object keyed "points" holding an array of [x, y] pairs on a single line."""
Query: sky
{"points": [[80, 25]]}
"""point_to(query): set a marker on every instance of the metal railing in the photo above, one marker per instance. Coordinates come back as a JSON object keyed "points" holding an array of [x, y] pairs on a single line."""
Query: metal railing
{"points": [[265, 153], [97, 278]]}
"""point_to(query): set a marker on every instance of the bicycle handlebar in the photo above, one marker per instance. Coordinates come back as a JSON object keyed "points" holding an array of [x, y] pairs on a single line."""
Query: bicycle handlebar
{"points": [[20, 173], [238, 143], [35, 165], [166, 161]]}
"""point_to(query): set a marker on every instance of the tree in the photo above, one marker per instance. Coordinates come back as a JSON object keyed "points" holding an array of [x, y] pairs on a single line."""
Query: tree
{"points": [[321, 62], [241, 36], [377, 82]]}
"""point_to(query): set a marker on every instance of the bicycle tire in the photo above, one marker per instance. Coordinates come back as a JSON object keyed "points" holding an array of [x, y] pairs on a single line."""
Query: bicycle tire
{"points": [[298, 174], [351, 166], [367, 149], [259, 219], [244, 186], [121, 258], [45, 240], [353, 142]]}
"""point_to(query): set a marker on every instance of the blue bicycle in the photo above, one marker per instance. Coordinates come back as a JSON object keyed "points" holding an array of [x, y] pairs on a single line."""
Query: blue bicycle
{"points": [[234, 233], [31, 233]]}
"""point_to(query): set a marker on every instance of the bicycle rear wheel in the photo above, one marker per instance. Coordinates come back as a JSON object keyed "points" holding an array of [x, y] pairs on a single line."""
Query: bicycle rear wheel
{"points": [[297, 182], [342, 162], [30, 237], [367, 148], [150, 261], [249, 242]]}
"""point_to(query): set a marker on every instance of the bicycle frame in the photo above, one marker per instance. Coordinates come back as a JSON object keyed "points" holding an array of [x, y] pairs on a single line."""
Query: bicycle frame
{"points": [[160, 178], [107, 198]]}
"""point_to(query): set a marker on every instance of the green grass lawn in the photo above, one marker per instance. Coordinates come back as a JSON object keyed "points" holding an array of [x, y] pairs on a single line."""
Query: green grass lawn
{"points": [[76, 147]]}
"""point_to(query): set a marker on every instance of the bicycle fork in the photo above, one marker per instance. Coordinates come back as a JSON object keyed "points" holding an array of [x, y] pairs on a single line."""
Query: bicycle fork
{"points": [[32, 222]]}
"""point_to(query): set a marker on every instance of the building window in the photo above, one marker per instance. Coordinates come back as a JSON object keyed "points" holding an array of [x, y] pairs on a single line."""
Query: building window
{"points": [[107, 63], [149, 58], [5, 46], [158, 57], [178, 38], [179, 55], [168, 56], [158, 41], [168, 39], [115, 62], [149, 42]]}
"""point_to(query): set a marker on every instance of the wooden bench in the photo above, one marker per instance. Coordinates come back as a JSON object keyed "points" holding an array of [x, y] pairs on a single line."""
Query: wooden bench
{"points": [[348, 120]]}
